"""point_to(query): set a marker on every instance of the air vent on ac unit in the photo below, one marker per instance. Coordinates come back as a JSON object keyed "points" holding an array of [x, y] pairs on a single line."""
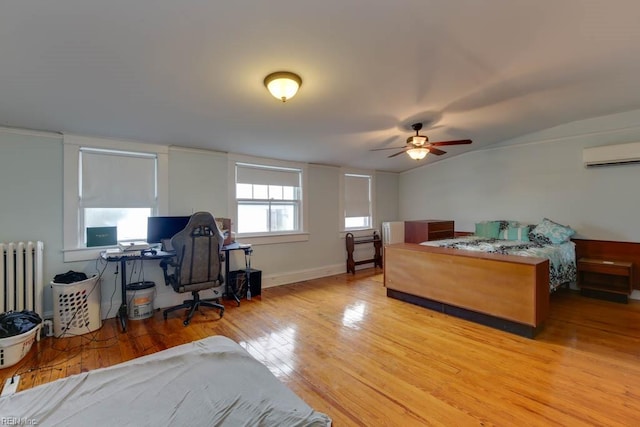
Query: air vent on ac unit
{"points": [[618, 154]]}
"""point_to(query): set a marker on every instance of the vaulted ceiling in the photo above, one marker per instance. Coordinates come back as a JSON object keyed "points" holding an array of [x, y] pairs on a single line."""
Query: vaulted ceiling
{"points": [[191, 72]]}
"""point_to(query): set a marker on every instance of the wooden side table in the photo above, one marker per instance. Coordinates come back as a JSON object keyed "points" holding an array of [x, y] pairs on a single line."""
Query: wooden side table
{"points": [[609, 279]]}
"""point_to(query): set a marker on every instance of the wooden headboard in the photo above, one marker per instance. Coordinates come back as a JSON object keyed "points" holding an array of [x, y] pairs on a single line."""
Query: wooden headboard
{"points": [[613, 251]]}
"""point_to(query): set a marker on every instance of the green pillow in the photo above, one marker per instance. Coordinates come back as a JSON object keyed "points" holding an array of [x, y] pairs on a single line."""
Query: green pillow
{"points": [[520, 232], [488, 229]]}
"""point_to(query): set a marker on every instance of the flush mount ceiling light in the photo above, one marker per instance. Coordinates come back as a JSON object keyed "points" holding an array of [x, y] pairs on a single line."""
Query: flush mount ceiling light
{"points": [[418, 153], [283, 85]]}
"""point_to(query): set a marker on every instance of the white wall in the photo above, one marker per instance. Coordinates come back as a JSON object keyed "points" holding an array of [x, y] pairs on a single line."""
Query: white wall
{"points": [[197, 182], [31, 194], [528, 178], [387, 201], [31, 206]]}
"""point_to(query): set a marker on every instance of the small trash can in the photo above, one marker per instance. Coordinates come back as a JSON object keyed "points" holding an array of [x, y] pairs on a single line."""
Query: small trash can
{"points": [[140, 297]]}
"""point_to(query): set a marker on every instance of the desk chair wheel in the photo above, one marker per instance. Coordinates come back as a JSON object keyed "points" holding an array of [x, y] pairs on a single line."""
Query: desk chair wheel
{"points": [[187, 321]]}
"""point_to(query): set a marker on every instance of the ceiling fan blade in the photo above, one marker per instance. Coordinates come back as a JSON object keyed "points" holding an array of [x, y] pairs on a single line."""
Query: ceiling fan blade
{"points": [[388, 148], [436, 151], [397, 154], [458, 142]]}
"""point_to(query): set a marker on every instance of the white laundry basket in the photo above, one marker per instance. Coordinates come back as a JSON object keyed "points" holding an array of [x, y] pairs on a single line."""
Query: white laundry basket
{"points": [[13, 349], [76, 307]]}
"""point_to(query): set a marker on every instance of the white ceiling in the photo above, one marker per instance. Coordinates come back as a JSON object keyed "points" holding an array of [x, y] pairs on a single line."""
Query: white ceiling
{"points": [[191, 72]]}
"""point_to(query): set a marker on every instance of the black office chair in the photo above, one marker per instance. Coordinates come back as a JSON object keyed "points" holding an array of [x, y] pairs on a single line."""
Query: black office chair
{"points": [[197, 265]]}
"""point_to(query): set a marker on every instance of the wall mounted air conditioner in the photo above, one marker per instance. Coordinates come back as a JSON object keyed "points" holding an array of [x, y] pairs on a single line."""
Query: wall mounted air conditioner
{"points": [[618, 154]]}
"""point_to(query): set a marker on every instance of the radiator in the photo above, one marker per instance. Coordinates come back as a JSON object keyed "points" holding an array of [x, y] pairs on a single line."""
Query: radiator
{"points": [[21, 279]]}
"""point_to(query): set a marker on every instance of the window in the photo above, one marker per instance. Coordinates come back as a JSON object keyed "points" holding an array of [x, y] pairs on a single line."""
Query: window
{"points": [[117, 188], [357, 201], [268, 199], [110, 183]]}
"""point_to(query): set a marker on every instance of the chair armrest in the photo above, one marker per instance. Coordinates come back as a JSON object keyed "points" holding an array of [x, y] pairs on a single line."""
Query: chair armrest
{"points": [[169, 279]]}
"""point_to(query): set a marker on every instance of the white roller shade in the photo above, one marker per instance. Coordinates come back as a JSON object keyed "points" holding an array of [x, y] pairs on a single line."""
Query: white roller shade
{"points": [[250, 174], [110, 179], [357, 201]]}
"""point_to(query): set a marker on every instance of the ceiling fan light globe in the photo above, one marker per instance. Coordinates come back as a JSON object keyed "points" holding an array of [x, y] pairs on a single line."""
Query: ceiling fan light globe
{"points": [[283, 85], [418, 153]]}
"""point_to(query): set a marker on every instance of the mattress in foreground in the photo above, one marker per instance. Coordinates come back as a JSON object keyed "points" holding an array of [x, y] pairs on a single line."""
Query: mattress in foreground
{"points": [[562, 257], [211, 382]]}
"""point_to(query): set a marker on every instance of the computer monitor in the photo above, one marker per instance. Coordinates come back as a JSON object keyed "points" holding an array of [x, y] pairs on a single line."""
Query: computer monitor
{"points": [[160, 228]]}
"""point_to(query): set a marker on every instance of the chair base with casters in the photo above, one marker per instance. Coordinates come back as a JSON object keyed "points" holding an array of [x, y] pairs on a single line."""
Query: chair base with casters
{"points": [[193, 305]]}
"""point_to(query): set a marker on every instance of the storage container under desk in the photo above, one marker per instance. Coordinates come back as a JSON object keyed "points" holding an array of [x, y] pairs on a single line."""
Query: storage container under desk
{"points": [[238, 282]]}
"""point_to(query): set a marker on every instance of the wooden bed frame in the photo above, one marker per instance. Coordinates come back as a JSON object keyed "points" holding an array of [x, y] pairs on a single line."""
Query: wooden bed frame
{"points": [[503, 291]]}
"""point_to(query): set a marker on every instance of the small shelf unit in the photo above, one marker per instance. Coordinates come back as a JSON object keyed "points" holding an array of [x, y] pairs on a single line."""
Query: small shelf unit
{"points": [[605, 278]]}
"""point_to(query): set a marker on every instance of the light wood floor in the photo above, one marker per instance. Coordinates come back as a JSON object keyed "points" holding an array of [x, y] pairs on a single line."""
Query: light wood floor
{"points": [[365, 359]]}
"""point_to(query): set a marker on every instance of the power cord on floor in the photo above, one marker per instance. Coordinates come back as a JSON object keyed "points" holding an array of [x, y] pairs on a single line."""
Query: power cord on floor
{"points": [[35, 355]]}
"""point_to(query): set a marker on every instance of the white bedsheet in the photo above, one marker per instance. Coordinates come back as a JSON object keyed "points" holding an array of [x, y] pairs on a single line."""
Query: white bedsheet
{"points": [[211, 382]]}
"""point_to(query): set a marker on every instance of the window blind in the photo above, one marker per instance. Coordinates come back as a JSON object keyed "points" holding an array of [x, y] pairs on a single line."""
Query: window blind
{"points": [[117, 179], [357, 196], [252, 174]]}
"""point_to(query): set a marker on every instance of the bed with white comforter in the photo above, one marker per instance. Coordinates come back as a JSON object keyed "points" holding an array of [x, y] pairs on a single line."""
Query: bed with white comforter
{"points": [[210, 382]]}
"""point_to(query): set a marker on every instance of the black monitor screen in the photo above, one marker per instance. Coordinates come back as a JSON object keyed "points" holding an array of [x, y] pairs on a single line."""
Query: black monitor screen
{"points": [[164, 227]]}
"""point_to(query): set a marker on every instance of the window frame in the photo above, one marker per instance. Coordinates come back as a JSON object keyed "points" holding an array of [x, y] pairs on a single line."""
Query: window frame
{"points": [[271, 236], [73, 247], [344, 172]]}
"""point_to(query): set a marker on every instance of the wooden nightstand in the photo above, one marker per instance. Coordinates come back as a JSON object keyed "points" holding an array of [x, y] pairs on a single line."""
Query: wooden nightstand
{"points": [[607, 279]]}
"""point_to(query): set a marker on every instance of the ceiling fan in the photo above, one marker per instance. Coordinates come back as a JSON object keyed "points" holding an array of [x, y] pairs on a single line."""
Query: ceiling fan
{"points": [[418, 146]]}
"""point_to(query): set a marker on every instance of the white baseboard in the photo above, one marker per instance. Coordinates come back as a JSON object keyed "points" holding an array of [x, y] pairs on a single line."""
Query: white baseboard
{"points": [[286, 278], [635, 294]]}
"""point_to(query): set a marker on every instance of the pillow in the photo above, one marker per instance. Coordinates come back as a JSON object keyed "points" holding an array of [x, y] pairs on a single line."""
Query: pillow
{"points": [[504, 224], [520, 232], [488, 229], [549, 232]]}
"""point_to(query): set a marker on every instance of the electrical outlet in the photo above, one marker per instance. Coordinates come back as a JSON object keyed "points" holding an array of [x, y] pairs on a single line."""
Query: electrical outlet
{"points": [[10, 385]]}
